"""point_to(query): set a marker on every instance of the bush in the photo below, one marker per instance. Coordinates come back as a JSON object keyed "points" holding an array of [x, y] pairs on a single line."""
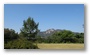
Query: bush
{"points": [[20, 44]]}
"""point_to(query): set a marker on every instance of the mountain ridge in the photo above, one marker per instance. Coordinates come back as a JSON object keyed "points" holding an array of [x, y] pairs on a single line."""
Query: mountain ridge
{"points": [[48, 32]]}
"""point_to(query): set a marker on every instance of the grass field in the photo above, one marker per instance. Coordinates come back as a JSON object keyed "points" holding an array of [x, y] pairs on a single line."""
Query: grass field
{"points": [[60, 46]]}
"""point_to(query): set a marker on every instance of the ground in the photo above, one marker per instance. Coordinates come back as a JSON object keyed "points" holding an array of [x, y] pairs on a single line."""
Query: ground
{"points": [[60, 46]]}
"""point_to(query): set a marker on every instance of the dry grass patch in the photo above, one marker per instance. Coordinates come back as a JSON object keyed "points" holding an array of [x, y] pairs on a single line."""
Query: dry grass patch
{"points": [[60, 46]]}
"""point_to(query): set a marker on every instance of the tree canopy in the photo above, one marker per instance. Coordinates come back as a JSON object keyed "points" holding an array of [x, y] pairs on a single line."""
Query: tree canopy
{"points": [[30, 28]]}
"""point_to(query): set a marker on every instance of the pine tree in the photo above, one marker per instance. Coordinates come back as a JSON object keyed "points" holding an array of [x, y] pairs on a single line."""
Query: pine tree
{"points": [[30, 28]]}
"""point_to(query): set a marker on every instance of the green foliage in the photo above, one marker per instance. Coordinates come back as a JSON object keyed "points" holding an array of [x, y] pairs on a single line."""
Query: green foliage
{"points": [[9, 34], [39, 39], [64, 36], [30, 28], [14, 40], [20, 44]]}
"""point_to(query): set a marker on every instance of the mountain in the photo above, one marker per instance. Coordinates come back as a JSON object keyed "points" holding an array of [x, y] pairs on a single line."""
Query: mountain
{"points": [[48, 32]]}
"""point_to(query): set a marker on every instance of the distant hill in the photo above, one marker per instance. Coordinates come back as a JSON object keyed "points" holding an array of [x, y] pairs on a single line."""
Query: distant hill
{"points": [[48, 32]]}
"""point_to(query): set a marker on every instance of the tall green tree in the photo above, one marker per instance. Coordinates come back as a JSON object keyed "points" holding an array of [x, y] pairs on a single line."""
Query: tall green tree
{"points": [[30, 28]]}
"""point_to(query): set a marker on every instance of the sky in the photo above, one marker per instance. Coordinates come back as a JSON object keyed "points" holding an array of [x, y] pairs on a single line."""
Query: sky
{"points": [[56, 16]]}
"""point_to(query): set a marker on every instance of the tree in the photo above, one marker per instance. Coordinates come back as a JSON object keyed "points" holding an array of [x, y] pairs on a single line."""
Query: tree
{"points": [[30, 28], [9, 34]]}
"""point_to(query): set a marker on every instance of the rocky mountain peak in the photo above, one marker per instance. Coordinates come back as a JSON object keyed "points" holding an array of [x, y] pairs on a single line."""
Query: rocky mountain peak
{"points": [[49, 31]]}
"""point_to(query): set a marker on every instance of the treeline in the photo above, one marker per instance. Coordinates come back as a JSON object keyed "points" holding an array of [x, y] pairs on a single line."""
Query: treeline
{"points": [[64, 36]]}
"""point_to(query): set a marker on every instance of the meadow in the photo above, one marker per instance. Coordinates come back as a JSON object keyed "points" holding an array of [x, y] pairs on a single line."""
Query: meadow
{"points": [[60, 46]]}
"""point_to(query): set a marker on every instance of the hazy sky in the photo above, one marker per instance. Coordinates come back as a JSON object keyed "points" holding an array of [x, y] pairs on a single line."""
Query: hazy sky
{"points": [[57, 16]]}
